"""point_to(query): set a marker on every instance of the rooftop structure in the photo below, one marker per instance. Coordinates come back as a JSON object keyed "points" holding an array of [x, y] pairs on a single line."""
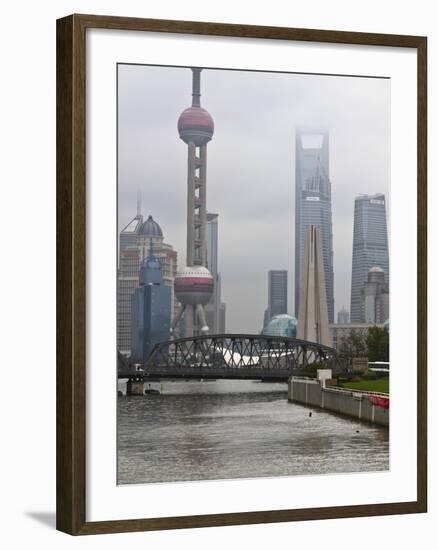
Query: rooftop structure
{"points": [[281, 325]]}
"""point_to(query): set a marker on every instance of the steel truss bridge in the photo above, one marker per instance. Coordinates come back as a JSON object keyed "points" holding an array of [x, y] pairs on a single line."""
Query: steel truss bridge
{"points": [[229, 356]]}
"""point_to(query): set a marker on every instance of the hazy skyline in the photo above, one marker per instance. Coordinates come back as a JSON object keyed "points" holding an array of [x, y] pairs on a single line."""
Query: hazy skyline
{"points": [[251, 166]]}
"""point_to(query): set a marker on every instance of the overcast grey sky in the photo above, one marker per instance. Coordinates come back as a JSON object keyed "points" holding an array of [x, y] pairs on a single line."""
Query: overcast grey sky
{"points": [[251, 166]]}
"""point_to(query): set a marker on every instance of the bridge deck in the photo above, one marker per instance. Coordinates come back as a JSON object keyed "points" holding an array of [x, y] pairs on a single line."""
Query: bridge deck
{"points": [[212, 373]]}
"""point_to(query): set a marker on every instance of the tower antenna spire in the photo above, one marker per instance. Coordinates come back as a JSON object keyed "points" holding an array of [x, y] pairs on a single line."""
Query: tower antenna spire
{"points": [[196, 87], [139, 203]]}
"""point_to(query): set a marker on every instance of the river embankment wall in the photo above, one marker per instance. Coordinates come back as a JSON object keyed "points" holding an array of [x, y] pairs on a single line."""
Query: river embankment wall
{"points": [[357, 404]]}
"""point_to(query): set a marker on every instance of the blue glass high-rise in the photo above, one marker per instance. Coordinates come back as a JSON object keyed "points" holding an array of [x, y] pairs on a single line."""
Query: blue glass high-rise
{"points": [[151, 310]]}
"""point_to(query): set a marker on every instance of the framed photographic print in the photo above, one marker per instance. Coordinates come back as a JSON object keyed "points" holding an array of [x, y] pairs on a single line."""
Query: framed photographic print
{"points": [[241, 335]]}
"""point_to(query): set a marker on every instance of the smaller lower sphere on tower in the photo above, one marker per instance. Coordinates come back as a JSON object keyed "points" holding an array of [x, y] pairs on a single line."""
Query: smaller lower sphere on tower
{"points": [[194, 285]]}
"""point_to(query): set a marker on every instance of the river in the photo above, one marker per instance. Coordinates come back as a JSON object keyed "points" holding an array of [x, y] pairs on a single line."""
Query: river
{"points": [[238, 429]]}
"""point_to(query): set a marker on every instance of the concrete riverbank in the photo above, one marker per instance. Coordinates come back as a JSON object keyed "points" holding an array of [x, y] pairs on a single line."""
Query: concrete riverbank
{"points": [[370, 406]]}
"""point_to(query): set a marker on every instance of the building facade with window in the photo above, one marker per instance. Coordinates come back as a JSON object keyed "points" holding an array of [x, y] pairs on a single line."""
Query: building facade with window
{"points": [[277, 294], [370, 248], [375, 297], [339, 331], [150, 309], [136, 240], [313, 205], [215, 310]]}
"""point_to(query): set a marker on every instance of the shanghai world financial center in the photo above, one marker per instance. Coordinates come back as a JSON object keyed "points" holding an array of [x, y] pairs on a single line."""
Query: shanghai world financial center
{"points": [[313, 205]]}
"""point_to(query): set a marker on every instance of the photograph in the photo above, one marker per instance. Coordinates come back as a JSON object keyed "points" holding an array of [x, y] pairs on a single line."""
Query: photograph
{"points": [[224, 210], [253, 273]]}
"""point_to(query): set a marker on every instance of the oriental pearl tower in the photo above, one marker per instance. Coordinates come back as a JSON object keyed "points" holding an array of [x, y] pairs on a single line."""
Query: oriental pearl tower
{"points": [[194, 282]]}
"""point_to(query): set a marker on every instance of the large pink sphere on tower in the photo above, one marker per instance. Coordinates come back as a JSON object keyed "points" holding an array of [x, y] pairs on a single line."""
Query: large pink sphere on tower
{"points": [[195, 125], [194, 285]]}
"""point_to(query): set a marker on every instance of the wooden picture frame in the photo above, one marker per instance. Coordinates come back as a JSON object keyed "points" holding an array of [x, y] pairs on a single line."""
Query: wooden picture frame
{"points": [[71, 273]]}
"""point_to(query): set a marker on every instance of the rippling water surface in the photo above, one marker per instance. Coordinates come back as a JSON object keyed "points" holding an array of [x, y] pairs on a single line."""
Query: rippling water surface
{"points": [[238, 429]]}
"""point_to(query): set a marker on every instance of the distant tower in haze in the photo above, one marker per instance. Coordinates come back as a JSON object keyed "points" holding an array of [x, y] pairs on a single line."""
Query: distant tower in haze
{"points": [[313, 323], [343, 317], [277, 294], [370, 247], [194, 283], [313, 205]]}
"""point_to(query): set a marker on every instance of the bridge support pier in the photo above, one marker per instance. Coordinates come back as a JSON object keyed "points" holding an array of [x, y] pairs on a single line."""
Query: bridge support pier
{"points": [[143, 387], [135, 387]]}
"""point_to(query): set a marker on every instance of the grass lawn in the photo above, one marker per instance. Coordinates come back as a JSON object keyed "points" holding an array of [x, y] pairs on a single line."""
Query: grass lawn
{"points": [[380, 385]]}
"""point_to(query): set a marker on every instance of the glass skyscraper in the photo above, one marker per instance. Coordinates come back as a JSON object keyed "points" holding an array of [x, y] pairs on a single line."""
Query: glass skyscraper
{"points": [[313, 205], [277, 294], [215, 310], [150, 309], [370, 247]]}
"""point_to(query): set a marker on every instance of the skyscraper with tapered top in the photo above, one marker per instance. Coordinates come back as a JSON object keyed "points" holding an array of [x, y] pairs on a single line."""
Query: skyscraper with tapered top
{"points": [[313, 205]]}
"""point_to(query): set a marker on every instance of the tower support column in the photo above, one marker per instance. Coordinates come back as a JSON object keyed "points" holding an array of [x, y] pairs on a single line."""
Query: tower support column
{"points": [[203, 201], [191, 203], [189, 319]]}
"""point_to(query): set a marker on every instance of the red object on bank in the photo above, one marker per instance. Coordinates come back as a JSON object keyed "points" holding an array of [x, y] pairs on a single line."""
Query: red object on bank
{"points": [[379, 401]]}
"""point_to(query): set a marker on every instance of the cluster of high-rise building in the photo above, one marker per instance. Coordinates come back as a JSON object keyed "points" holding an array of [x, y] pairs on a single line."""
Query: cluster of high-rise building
{"points": [[137, 239], [159, 298], [143, 251], [370, 259]]}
